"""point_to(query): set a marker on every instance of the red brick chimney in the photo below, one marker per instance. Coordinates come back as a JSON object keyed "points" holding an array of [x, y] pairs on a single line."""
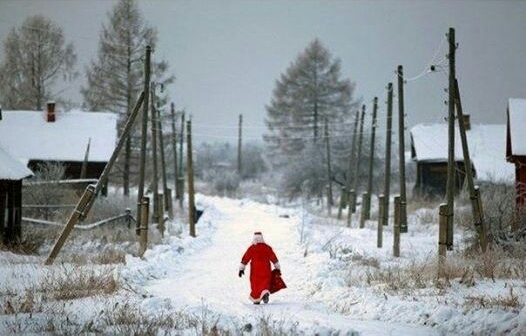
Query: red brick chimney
{"points": [[50, 113]]}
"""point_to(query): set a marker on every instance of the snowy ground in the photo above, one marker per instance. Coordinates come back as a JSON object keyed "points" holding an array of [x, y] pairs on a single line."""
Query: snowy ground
{"points": [[339, 282], [322, 263]]}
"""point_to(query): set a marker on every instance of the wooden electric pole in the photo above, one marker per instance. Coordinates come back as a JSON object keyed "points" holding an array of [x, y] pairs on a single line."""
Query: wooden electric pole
{"points": [[356, 175], [388, 140], [167, 193], [366, 201], [144, 134], [190, 171], [474, 194], [329, 171], [401, 150], [155, 179], [344, 197], [174, 149], [180, 176], [88, 197], [450, 187]]}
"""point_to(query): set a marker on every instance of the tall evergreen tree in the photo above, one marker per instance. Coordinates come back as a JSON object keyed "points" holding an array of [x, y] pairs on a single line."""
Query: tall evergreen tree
{"points": [[115, 78], [310, 93], [36, 56]]}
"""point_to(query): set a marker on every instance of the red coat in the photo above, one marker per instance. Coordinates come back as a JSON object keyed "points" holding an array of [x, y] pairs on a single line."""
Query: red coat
{"points": [[260, 256]]}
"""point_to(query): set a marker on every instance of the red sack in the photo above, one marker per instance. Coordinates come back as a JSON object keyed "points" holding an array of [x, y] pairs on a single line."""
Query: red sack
{"points": [[276, 281]]}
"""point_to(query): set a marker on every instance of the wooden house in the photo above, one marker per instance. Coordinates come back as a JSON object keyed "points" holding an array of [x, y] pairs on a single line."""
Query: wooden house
{"points": [[36, 137], [516, 145], [12, 172], [429, 149]]}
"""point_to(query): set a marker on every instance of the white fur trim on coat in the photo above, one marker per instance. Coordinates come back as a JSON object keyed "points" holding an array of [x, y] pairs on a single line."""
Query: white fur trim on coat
{"points": [[265, 291]]}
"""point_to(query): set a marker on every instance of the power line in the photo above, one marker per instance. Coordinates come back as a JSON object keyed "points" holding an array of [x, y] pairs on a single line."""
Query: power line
{"points": [[427, 68]]}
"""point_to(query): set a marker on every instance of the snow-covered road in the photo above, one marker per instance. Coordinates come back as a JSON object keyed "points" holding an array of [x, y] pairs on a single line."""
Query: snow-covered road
{"points": [[205, 274]]}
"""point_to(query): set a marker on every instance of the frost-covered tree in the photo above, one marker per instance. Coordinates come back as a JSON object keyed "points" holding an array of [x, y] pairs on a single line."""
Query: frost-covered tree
{"points": [[36, 56], [116, 77], [309, 94]]}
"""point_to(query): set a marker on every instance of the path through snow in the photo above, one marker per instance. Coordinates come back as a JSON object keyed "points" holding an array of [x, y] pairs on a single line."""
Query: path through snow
{"points": [[206, 276]]}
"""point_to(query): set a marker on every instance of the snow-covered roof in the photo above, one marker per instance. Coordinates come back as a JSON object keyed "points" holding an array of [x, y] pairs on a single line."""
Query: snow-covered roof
{"points": [[11, 168], [486, 144], [517, 123], [28, 136]]}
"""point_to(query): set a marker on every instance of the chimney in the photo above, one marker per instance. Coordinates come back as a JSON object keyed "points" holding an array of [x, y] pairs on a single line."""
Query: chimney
{"points": [[50, 113]]}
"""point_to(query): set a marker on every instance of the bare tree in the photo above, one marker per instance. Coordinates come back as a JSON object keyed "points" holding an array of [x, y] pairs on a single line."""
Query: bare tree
{"points": [[36, 56], [115, 78]]}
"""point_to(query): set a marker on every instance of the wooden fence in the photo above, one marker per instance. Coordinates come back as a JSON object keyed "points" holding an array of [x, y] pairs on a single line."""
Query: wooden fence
{"points": [[126, 216]]}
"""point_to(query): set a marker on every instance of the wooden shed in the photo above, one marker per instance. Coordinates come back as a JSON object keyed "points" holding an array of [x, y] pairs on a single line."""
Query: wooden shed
{"points": [[429, 149], [12, 172], [516, 145]]}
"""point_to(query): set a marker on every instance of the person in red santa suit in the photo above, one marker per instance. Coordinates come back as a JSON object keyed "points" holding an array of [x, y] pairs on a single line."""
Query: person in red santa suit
{"points": [[260, 256]]}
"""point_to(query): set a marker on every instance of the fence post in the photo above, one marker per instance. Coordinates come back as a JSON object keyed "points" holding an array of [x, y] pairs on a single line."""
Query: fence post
{"points": [[442, 237], [366, 206], [143, 236], [381, 214]]}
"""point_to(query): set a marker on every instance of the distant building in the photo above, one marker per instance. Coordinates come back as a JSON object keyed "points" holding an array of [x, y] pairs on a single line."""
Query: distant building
{"points": [[516, 144], [12, 172], [429, 149], [35, 137]]}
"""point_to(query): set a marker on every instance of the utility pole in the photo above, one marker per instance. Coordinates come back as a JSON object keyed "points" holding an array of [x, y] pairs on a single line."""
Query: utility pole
{"points": [[388, 140], [344, 199], [239, 161], [474, 195], [401, 150], [190, 171], [174, 147], [329, 172], [180, 177], [450, 187], [155, 180], [354, 191], [167, 193], [88, 197], [144, 133], [127, 148], [366, 201]]}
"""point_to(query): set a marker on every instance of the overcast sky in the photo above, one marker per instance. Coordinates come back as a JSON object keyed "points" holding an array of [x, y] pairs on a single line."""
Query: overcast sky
{"points": [[226, 55]]}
